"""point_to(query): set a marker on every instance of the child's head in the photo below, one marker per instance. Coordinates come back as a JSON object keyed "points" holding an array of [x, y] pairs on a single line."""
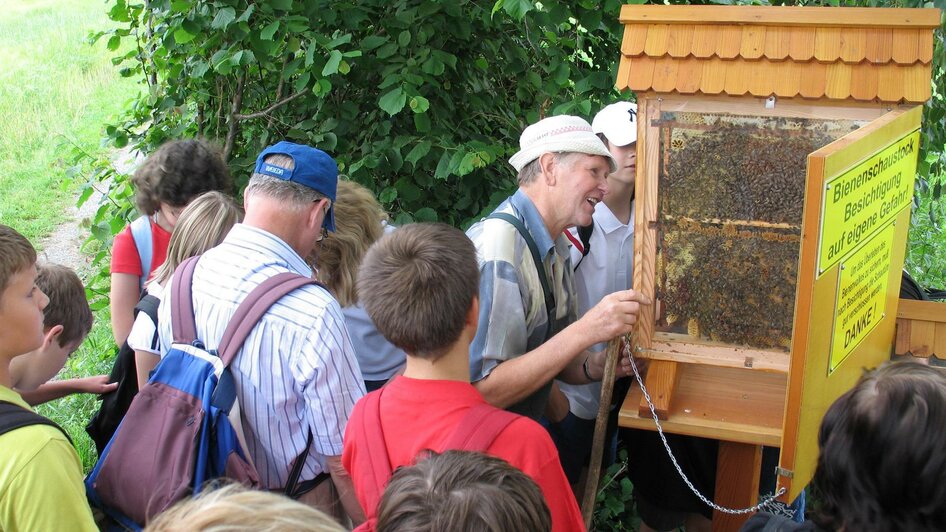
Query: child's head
{"points": [[67, 318], [177, 172], [203, 225], [462, 491], [616, 126], [418, 285], [21, 301], [358, 218], [235, 508], [881, 464]]}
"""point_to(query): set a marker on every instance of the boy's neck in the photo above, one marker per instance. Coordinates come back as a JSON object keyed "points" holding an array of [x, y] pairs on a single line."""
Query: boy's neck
{"points": [[618, 200], [452, 366]]}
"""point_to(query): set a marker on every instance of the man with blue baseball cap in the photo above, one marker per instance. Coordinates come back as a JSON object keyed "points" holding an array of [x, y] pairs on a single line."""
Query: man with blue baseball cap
{"points": [[297, 378]]}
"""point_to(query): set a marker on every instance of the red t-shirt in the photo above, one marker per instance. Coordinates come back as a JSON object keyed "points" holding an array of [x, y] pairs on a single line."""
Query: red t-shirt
{"points": [[422, 414], [125, 257]]}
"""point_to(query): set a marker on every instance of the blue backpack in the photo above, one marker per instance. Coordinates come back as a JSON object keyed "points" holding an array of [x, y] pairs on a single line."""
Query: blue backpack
{"points": [[184, 427]]}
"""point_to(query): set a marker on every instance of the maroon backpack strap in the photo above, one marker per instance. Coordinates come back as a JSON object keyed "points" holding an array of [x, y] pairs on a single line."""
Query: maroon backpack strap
{"points": [[479, 428], [183, 327], [376, 450], [252, 309]]}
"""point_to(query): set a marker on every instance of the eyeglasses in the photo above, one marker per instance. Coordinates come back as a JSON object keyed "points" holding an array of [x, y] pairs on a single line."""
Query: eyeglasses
{"points": [[321, 235]]}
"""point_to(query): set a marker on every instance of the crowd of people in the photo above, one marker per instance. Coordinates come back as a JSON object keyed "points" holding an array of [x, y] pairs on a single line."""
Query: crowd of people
{"points": [[433, 380]]}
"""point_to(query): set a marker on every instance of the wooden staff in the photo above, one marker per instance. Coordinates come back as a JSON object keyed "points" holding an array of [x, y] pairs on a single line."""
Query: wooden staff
{"points": [[601, 428]]}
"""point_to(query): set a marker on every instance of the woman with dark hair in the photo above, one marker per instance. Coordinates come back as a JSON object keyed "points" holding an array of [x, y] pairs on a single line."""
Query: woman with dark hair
{"points": [[882, 465]]}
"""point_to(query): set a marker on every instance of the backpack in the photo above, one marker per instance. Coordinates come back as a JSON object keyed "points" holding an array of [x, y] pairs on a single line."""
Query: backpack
{"points": [[141, 234], [115, 403], [184, 427], [478, 429], [14, 416]]}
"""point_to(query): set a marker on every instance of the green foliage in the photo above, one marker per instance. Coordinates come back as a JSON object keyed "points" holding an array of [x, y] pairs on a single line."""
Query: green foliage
{"points": [[614, 506], [422, 101]]}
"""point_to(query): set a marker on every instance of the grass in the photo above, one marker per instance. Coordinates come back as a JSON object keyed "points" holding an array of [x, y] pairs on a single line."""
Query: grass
{"points": [[56, 92]]}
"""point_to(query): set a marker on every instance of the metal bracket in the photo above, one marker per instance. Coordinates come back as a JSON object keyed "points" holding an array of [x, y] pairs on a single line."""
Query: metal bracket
{"points": [[787, 473]]}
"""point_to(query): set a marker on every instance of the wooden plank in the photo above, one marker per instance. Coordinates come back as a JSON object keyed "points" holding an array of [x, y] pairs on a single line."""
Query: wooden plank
{"points": [[635, 37], [684, 348], [657, 38], [890, 83], [879, 45], [787, 80], [925, 47], [645, 241], [778, 41], [753, 42], [939, 342], [689, 75], [789, 108], [802, 47], [737, 405], [902, 343], [704, 41], [737, 483], [680, 40], [906, 46], [837, 81], [827, 44], [922, 310], [864, 81], [624, 71], [728, 41], [640, 75], [737, 78], [665, 74], [917, 86], [813, 80], [782, 16], [922, 337], [853, 45], [661, 382], [713, 79]]}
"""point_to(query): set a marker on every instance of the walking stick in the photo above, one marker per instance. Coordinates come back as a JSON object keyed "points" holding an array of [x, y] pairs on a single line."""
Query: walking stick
{"points": [[601, 427]]}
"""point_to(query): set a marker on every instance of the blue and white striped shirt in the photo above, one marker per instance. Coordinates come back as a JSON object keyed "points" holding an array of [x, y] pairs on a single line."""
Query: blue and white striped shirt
{"points": [[297, 370], [513, 319]]}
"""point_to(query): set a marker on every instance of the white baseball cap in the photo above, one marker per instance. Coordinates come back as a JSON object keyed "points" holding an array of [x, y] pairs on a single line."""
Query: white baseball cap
{"points": [[617, 122], [558, 134]]}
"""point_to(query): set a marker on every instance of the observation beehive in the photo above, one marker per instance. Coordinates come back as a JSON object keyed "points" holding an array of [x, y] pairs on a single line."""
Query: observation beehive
{"points": [[774, 288]]}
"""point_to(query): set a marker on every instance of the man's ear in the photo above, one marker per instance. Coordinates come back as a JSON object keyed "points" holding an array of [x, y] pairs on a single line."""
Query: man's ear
{"points": [[548, 163], [316, 214], [52, 335]]}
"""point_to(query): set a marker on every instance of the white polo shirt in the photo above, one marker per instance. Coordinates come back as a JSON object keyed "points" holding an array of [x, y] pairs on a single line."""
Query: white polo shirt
{"points": [[607, 268]]}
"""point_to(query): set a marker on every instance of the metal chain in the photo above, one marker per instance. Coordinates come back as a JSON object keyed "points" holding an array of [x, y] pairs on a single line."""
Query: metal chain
{"points": [[766, 501]]}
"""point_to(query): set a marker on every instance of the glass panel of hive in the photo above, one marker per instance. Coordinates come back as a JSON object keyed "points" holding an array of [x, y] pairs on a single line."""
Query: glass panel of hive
{"points": [[730, 199]]}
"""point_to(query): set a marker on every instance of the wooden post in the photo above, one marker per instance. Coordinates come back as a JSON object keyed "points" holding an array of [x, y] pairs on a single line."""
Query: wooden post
{"points": [[737, 482], [601, 428]]}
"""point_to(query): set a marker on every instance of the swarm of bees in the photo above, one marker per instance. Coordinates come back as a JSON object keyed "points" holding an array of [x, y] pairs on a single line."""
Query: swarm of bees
{"points": [[731, 195]]}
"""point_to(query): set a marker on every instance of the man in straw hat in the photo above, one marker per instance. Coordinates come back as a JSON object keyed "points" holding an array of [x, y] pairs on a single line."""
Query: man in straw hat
{"points": [[528, 335]]}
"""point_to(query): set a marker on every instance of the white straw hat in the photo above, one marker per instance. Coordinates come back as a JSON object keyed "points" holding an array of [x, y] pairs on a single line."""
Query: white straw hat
{"points": [[558, 134], [618, 123]]}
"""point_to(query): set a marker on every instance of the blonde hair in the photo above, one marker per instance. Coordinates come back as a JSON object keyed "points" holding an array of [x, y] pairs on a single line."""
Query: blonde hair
{"points": [[358, 217], [234, 508], [203, 224]]}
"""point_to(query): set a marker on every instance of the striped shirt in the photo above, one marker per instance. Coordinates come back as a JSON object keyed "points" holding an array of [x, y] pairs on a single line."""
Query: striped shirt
{"points": [[297, 370], [513, 319]]}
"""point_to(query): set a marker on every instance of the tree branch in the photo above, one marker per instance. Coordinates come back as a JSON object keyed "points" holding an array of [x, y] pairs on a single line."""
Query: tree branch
{"points": [[234, 121], [271, 108]]}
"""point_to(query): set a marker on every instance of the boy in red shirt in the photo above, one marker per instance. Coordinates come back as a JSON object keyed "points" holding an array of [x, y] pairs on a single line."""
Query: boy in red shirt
{"points": [[419, 285]]}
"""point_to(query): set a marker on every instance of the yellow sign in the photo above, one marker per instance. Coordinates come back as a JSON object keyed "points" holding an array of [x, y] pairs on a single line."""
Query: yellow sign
{"points": [[862, 294], [861, 200]]}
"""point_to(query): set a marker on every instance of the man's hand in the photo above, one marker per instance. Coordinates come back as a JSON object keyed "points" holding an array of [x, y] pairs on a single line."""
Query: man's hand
{"points": [[613, 316]]}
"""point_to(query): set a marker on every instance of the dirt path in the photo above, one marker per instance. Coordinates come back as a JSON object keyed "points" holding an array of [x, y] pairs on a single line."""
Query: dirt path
{"points": [[64, 244]]}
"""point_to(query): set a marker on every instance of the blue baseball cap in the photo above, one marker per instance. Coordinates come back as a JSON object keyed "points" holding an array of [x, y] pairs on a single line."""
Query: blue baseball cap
{"points": [[313, 168]]}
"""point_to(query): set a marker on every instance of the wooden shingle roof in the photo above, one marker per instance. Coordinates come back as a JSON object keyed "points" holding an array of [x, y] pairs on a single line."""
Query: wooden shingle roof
{"points": [[862, 54]]}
